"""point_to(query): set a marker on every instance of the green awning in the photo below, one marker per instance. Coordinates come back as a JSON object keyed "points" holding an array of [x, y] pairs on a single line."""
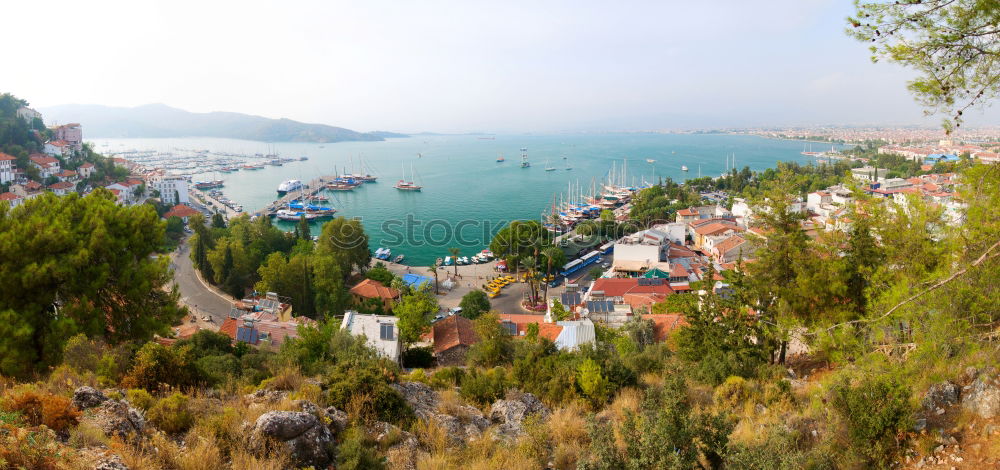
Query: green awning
{"points": [[656, 274]]}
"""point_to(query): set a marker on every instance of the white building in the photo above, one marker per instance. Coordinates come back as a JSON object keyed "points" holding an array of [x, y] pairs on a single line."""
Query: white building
{"points": [[7, 166], [173, 189], [58, 148], [870, 174], [380, 332], [47, 166], [28, 114], [86, 170]]}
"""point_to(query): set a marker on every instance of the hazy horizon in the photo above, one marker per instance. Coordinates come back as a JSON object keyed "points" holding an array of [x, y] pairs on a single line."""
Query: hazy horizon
{"points": [[457, 67]]}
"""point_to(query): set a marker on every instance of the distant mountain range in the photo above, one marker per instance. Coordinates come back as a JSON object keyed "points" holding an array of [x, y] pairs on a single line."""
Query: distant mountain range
{"points": [[160, 120]]}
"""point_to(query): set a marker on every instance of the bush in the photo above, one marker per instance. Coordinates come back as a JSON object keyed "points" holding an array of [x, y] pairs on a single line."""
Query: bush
{"points": [[732, 393], [37, 449], [171, 414], [877, 412], [357, 452], [447, 377], [485, 387], [82, 353], [156, 364], [216, 369], [140, 398], [418, 357], [364, 392], [474, 304], [54, 411]]}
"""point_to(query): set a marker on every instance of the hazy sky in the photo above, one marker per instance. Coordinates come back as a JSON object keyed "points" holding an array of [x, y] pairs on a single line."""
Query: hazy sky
{"points": [[501, 66]]}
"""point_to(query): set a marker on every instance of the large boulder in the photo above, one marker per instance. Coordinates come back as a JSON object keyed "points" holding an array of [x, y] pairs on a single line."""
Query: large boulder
{"points": [[940, 395], [308, 441], [337, 420], [511, 413], [88, 397], [982, 396], [117, 418], [460, 422]]}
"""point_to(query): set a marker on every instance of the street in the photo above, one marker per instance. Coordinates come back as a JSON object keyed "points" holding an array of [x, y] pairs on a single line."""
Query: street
{"points": [[199, 298]]}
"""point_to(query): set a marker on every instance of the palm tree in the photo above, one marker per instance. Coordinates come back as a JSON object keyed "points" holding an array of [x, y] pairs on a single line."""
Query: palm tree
{"points": [[551, 253], [454, 256], [529, 262], [434, 269]]}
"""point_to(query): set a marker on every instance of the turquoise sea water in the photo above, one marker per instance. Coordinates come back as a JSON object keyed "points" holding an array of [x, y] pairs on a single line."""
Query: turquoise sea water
{"points": [[466, 194]]}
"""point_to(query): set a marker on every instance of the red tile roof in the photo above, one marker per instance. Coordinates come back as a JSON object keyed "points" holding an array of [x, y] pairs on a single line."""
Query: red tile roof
{"points": [[637, 301], [522, 320], [228, 327], [619, 287], [729, 243], [371, 289], [453, 331], [87, 165], [43, 160], [4, 157], [62, 185], [687, 212], [663, 324], [8, 196], [180, 210], [715, 229]]}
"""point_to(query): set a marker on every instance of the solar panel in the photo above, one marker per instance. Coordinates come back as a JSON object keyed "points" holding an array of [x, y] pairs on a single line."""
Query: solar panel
{"points": [[247, 335], [571, 298], [600, 306]]}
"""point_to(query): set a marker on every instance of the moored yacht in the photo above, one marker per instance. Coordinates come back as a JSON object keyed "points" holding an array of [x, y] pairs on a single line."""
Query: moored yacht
{"points": [[288, 186]]}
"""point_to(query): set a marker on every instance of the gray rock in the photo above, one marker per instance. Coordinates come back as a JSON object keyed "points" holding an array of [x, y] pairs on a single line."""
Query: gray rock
{"points": [[308, 441], [465, 422], [940, 395], [88, 397], [265, 395], [920, 424], [510, 414], [113, 462], [983, 395], [117, 418], [338, 419]]}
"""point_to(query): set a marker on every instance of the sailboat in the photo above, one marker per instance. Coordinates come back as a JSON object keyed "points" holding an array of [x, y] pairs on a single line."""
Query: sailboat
{"points": [[524, 158], [404, 185], [500, 159], [549, 167]]}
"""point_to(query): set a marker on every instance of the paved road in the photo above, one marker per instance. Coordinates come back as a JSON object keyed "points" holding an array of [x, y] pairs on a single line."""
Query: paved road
{"points": [[196, 295]]}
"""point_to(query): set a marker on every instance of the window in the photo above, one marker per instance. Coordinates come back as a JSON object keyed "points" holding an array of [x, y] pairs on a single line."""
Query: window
{"points": [[510, 327], [385, 332]]}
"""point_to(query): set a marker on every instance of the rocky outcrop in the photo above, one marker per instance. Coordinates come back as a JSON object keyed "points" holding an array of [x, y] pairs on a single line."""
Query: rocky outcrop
{"points": [[939, 396], [337, 420], [111, 463], [265, 395], [88, 397], [982, 396], [308, 441], [460, 422], [117, 418], [511, 413]]}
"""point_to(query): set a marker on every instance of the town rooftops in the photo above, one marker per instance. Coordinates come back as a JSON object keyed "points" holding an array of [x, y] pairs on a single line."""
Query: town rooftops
{"points": [[619, 287], [687, 212], [62, 185], [453, 331], [8, 196], [715, 229], [43, 160], [4, 157], [180, 210], [58, 143], [87, 165], [371, 289], [730, 243]]}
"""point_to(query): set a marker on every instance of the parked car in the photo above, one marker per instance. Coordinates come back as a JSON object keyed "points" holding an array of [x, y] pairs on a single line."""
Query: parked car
{"points": [[454, 310], [438, 317]]}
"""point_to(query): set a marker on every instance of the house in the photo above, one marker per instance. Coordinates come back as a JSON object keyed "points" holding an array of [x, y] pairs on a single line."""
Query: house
{"points": [[870, 174], [731, 249], [47, 166], [567, 335], [67, 175], [380, 331], [121, 197], [71, 134], [702, 212], [172, 189], [58, 148], [61, 188], [614, 289], [86, 170], [269, 334], [182, 211], [643, 303], [13, 199], [27, 190], [705, 232], [28, 115], [129, 189], [372, 289], [452, 338], [8, 163]]}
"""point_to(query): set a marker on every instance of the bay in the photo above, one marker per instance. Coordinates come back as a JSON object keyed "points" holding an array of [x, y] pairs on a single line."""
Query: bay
{"points": [[467, 196]]}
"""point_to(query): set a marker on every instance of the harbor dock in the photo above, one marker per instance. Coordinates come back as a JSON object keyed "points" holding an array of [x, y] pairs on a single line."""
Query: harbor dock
{"points": [[308, 190]]}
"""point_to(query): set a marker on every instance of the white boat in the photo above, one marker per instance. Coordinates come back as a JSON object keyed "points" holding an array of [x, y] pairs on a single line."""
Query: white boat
{"points": [[684, 168], [404, 185], [524, 158], [548, 167], [650, 160], [293, 216], [288, 186]]}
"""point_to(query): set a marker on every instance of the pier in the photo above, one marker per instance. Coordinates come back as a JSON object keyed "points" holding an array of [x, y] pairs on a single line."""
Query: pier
{"points": [[308, 190]]}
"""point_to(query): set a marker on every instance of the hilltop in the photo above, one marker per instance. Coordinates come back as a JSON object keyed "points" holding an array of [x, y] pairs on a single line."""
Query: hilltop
{"points": [[160, 120]]}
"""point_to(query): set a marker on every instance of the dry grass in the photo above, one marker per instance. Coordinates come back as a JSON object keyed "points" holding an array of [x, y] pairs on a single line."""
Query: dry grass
{"points": [[451, 403], [288, 378], [568, 425], [135, 457], [434, 461], [431, 436], [628, 400], [243, 459], [565, 456], [87, 434]]}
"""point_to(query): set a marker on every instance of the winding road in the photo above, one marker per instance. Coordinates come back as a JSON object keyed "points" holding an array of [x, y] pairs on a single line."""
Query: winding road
{"points": [[196, 295]]}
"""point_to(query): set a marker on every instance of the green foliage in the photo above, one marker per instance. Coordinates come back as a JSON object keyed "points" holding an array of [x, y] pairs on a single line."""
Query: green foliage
{"points": [[364, 388], [593, 385], [357, 452], [381, 274], [474, 304], [559, 311], [483, 387], [414, 312], [877, 412], [172, 414], [494, 347], [140, 398], [91, 271], [156, 364]]}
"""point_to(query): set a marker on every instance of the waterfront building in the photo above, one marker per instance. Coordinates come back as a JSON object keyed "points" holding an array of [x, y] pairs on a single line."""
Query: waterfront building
{"points": [[7, 166]]}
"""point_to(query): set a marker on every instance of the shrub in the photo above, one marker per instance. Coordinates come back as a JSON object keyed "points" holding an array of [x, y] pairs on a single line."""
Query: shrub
{"points": [[877, 411], [87, 434], [140, 398], [54, 411], [418, 357], [447, 377], [156, 364], [474, 304], [37, 449], [357, 452], [216, 369], [288, 378], [485, 387], [732, 393], [364, 391], [171, 414], [82, 353]]}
